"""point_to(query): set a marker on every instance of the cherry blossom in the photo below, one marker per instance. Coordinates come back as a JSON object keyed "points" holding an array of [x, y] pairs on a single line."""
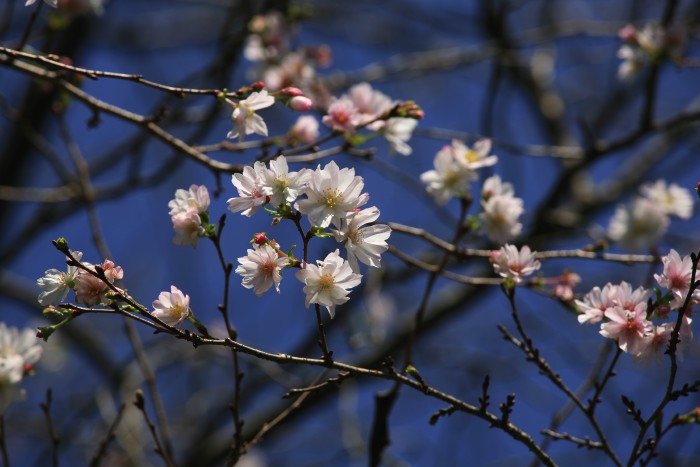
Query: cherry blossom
{"points": [[19, 350], [500, 217], [397, 132], [342, 115], [331, 192], [510, 263], [370, 104], [305, 130], [195, 199], [672, 199], [90, 289], [449, 178], [628, 328], [280, 184], [171, 307], [261, 269], [493, 186], [473, 158], [638, 224], [328, 283], [250, 192], [57, 283], [592, 307], [676, 276], [365, 244], [246, 121], [188, 228], [655, 343]]}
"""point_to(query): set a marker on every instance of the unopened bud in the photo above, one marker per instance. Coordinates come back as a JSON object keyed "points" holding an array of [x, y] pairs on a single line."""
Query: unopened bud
{"points": [[628, 34], [260, 239], [291, 92], [300, 103], [408, 109]]}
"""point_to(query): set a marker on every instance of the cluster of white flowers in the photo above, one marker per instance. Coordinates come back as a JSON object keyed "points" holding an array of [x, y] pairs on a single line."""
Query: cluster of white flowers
{"points": [[364, 106], [328, 196], [643, 221], [625, 313], [19, 350], [89, 289], [455, 167], [643, 47], [188, 214]]}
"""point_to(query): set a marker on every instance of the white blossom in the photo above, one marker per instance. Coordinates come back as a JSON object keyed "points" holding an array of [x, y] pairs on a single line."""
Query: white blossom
{"points": [[245, 120], [172, 307], [19, 350], [500, 217], [331, 192], [672, 199], [329, 282], [365, 244], [280, 184], [449, 178], [196, 198], [57, 283], [397, 132], [638, 224]]}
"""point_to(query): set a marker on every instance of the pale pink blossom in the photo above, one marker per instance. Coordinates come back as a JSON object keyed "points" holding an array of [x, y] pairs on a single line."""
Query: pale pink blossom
{"points": [[261, 269], [250, 192], [342, 115], [448, 179], [172, 307], [370, 104], [305, 130], [628, 328], [510, 263], [188, 228], [300, 103], [196, 198], [623, 296], [593, 305], [328, 283], [365, 244], [331, 192], [294, 68], [246, 121], [91, 290], [655, 343], [56, 284], [676, 276]]}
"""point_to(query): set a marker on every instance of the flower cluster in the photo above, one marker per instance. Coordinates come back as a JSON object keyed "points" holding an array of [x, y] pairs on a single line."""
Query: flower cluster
{"points": [[626, 315], [643, 221], [363, 106], [18, 352], [89, 289], [643, 47], [328, 196], [189, 214]]}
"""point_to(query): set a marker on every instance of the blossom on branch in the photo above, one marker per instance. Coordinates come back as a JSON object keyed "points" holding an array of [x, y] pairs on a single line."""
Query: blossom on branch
{"points": [[250, 191], [171, 307], [342, 115], [57, 283], [19, 350], [195, 199], [672, 199], [331, 192], [188, 228], [90, 289], [676, 276], [305, 130], [397, 132], [261, 269], [280, 184], [628, 327], [365, 244], [449, 178], [473, 158], [592, 307], [329, 282], [245, 120], [638, 224], [512, 264]]}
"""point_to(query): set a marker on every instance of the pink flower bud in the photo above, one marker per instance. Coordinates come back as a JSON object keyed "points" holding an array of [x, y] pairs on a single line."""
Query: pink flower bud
{"points": [[300, 103], [628, 33], [260, 239], [291, 92]]}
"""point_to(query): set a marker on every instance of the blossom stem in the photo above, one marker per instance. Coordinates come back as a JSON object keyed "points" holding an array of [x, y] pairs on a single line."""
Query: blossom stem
{"points": [[327, 354]]}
